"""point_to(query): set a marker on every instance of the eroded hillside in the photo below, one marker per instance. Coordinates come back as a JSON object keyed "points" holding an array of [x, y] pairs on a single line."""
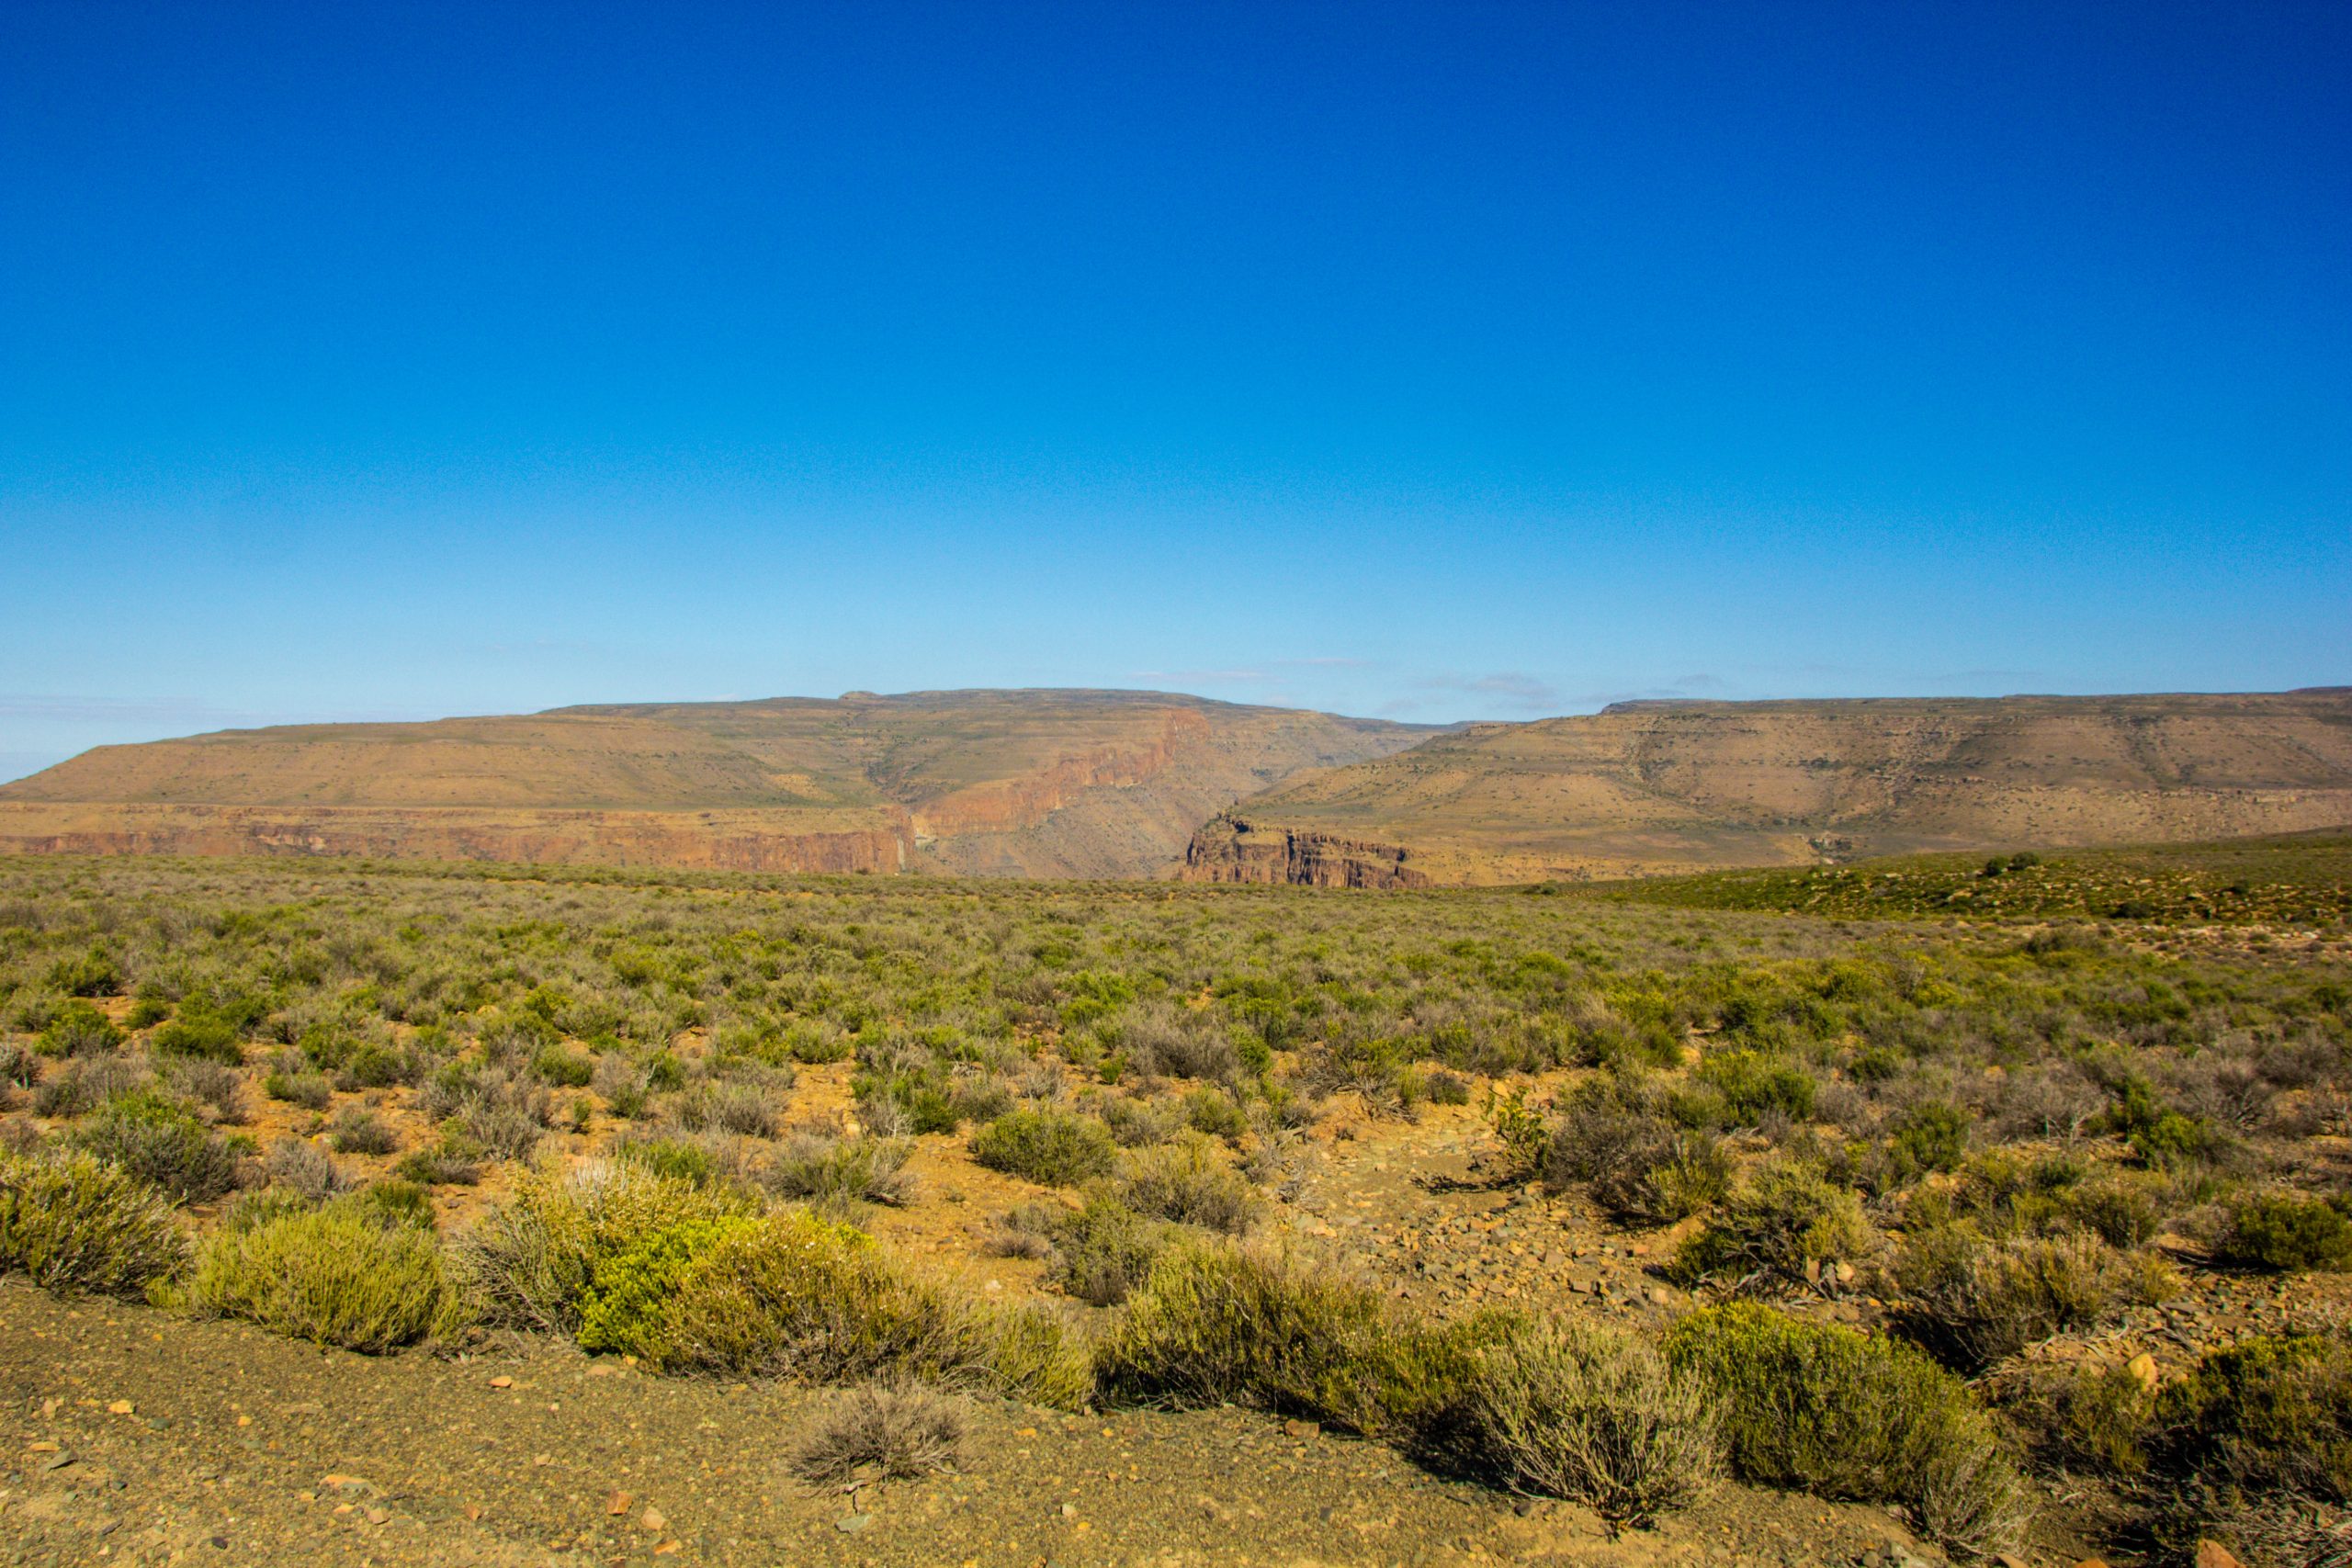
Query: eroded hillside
{"points": [[1083, 783], [1643, 787]]}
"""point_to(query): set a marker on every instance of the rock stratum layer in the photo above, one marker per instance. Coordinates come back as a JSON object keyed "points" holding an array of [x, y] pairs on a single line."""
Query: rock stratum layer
{"points": [[1646, 788], [1038, 784]]}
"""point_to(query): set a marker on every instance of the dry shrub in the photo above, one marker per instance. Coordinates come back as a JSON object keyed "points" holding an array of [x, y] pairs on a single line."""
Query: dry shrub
{"points": [[1570, 1410], [1974, 1301], [832, 1172], [897, 1432], [1189, 1180], [1788, 1228], [74, 1222]]}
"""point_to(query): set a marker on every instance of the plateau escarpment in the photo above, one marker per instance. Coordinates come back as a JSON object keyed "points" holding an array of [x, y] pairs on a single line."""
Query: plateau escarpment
{"points": [[1231, 850], [1088, 784], [1644, 788]]}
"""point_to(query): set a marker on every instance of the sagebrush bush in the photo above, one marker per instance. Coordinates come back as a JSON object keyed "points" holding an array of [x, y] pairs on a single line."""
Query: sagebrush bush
{"points": [[163, 1142], [1974, 1301], [334, 1276], [70, 1222], [898, 1432], [1057, 1148], [1217, 1323], [1832, 1411], [2282, 1233], [1190, 1180], [530, 1262], [830, 1172], [798, 1296], [1570, 1410], [1788, 1226]]}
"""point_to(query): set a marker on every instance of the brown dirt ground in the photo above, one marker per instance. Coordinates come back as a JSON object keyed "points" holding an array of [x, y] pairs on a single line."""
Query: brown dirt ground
{"points": [[127, 1435]]}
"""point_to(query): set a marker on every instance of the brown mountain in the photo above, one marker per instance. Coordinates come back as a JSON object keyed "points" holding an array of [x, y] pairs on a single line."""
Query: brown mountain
{"points": [[1646, 788], [1022, 782]]}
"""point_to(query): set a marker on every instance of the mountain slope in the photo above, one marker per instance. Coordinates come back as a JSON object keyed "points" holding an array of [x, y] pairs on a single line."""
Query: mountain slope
{"points": [[1646, 787], [1032, 783]]}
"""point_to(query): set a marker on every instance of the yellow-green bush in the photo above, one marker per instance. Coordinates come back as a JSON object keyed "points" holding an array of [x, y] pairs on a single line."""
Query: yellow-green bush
{"points": [[74, 1223], [1059, 1148], [1188, 1180], [1843, 1414], [630, 1289], [335, 1276], [530, 1262], [801, 1297]]}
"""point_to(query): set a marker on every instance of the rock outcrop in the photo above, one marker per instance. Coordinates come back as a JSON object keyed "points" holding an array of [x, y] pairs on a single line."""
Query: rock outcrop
{"points": [[1230, 850]]}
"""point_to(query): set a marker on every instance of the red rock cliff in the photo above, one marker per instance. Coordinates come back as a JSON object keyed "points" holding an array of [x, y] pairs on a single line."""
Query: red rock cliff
{"points": [[1231, 850]]}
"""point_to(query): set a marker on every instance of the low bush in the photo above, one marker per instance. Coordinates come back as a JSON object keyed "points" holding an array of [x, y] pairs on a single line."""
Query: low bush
{"points": [[1217, 1323], [1845, 1414], [798, 1296], [742, 1109], [221, 1089], [1569, 1410], [562, 1065], [628, 1290], [2266, 1417], [2284, 1234], [312, 1091], [1057, 1148], [163, 1142], [78, 1028], [1740, 1088], [898, 1433], [1643, 1167], [200, 1034], [357, 1132], [302, 1167], [70, 1222], [334, 1276], [832, 1173], [530, 1262], [1188, 1181], [1789, 1226], [1100, 1253], [454, 1160], [1973, 1302]]}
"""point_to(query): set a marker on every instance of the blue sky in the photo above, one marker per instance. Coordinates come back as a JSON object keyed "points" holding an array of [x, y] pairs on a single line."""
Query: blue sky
{"points": [[1438, 361]]}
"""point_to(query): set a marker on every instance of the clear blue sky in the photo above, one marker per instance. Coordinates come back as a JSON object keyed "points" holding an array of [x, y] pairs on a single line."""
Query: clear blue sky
{"points": [[1441, 360]]}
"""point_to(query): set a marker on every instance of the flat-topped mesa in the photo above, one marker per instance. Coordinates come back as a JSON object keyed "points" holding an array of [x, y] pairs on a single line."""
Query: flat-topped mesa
{"points": [[1230, 850]]}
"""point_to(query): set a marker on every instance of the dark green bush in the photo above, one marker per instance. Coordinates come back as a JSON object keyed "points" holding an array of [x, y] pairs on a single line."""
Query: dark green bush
{"points": [[1840, 1414], [2268, 1415], [199, 1034], [2285, 1234], [1788, 1226], [78, 1028], [1058, 1148], [1932, 1135]]}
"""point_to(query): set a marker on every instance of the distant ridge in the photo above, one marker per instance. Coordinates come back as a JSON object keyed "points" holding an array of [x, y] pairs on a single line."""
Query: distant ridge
{"points": [[1024, 783], [1671, 785]]}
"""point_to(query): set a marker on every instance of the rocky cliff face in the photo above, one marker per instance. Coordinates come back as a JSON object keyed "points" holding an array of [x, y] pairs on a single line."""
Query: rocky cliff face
{"points": [[723, 840], [1008, 805], [1231, 850]]}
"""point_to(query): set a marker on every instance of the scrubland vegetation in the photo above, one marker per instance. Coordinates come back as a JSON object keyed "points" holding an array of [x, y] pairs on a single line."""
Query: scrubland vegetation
{"points": [[1905, 1184]]}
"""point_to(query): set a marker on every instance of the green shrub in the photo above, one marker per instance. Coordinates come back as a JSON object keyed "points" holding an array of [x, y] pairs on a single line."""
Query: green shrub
{"points": [[312, 1091], [1932, 1136], [74, 1222], [798, 1296], [1217, 1323], [454, 1160], [161, 1142], [357, 1132], [1844, 1415], [562, 1065], [200, 1034], [399, 1202], [1569, 1410], [1101, 1252], [674, 1157], [625, 1295], [1642, 1166], [375, 1066], [1058, 1148], [146, 1012], [95, 974], [832, 1172], [2285, 1234], [1189, 1180], [334, 1276], [1789, 1227], [1746, 1085], [1210, 1111], [1973, 1302], [78, 1028], [2268, 1415], [530, 1261]]}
